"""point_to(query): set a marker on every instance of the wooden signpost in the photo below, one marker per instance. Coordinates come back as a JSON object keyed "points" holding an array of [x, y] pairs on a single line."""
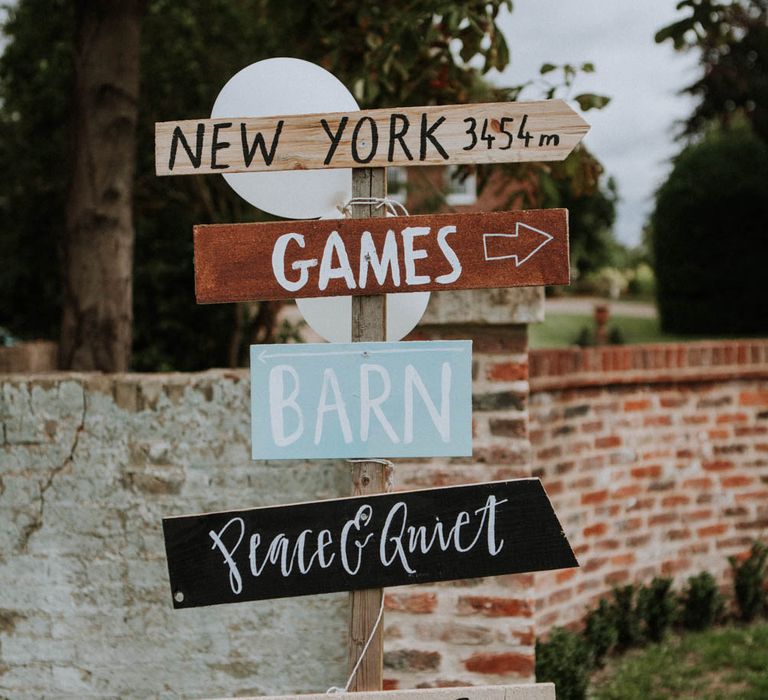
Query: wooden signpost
{"points": [[370, 399], [361, 400], [293, 259], [346, 544], [365, 641], [499, 132]]}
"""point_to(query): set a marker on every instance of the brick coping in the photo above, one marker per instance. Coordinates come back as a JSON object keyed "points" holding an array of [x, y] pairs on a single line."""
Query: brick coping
{"points": [[566, 368], [550, 369]]}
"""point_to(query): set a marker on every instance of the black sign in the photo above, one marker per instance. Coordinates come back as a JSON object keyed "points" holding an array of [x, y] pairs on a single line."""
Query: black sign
{"points": [[346, 544]]}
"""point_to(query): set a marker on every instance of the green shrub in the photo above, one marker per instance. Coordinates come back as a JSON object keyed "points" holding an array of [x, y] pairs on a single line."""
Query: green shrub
{"points": [[600, 631], [564, 660], [616, 336], [626, 617], [709, 242], [642, 282], [749, 582], [657, 607], [606, 282], [702, 604], [585, 338]]}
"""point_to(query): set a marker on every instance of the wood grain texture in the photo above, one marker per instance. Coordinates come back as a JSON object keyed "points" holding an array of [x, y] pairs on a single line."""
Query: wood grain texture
{"points": [[499, 132], [369, 312], [240, 262], [364, 605], [532, 691], [369, 323], [363, 542]]}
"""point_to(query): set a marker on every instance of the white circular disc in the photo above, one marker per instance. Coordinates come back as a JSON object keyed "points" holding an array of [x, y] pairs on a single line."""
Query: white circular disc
{"points": [[331, 317], [275, 87]]}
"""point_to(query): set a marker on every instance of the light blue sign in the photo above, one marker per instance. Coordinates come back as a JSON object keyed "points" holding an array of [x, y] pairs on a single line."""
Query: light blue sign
{"points": [[411, 399]]}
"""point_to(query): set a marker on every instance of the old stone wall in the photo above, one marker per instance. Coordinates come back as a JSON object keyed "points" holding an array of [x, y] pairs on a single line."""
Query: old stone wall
{"points": [[89, 465], [656, 461]]}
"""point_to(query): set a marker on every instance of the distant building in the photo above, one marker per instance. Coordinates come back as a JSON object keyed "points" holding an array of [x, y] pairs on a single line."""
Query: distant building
{"points": [[433, 189]]}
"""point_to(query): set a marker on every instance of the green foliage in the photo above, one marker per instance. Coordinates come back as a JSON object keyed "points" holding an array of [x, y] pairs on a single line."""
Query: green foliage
{"points": [[202, 47], [702, 604], [600, 631], [709, 238], [564, 660], [608, 282], [35, 84], [626, 616], [712, 665], [585, 338], [423, 52], [658, 607], [189, 50], [565, 75], [616, 336], [642, 281], [560, 330], [401, 58], [392, 55], [732, 39], [679, 666], [576, 184], [749, 581], [587, 101]]}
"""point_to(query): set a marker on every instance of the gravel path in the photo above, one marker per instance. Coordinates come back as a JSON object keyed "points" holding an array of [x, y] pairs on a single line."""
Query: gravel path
{"points": [[586, 305]]}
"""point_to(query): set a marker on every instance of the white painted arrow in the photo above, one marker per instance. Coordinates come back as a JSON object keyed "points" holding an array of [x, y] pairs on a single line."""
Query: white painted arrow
{"points": [[263, 356], [514, 256]]}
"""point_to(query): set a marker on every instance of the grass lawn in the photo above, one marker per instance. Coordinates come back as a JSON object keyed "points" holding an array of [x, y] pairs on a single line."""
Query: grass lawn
{"points": [[729, 662], [561, 330]]}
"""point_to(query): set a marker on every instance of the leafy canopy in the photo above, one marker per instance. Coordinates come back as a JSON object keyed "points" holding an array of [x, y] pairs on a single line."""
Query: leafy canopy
{"points": [[421, 52], [709, 237], [732, 41]]}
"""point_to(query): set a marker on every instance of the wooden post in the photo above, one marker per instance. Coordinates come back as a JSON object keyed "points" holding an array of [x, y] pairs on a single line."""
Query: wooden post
{"points": [[369, 316]]}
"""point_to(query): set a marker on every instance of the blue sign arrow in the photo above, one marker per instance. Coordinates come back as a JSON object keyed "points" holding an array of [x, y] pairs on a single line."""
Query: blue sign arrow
{"points": [[411, 399]]}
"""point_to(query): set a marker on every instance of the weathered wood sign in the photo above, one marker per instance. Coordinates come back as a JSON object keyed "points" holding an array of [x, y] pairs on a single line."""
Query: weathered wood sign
{"points": [[523, 691], [437, 135], [411, 399], [364, 542], [292, 259]]}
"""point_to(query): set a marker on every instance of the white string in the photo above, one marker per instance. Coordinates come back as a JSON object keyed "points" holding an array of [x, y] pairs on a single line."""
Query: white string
{"points": [[335, 689], [392, 205]]}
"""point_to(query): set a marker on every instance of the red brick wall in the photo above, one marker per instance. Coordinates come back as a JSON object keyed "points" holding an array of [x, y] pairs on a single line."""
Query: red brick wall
{"points": [[473, 631], [656, 461]]}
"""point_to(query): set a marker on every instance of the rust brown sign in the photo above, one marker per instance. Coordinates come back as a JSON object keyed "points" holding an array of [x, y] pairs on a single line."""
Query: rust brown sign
{"points": [[292, 259]]}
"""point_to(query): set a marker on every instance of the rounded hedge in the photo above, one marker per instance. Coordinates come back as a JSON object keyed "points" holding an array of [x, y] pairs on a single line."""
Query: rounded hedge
{"points": [[710, 238]]}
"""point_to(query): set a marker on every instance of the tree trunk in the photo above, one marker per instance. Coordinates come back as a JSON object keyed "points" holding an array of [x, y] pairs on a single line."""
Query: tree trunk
{"points": [[97, 252]]}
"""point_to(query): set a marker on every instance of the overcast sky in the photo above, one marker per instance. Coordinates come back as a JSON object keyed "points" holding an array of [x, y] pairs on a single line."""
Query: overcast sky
{"points": [[634, 135]]}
